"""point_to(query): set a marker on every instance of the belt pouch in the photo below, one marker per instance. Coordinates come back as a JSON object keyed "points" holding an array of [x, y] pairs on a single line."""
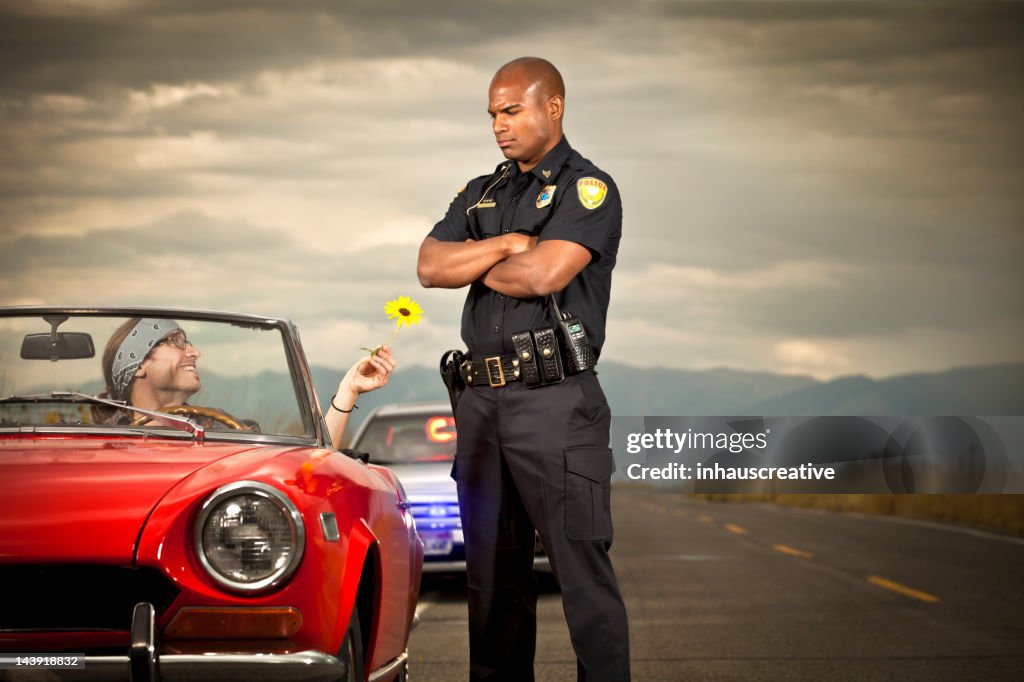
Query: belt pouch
{"points": [[548, 356], [522, 342]]}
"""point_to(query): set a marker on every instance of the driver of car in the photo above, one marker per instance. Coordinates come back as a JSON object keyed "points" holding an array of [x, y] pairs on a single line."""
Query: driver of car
{"points": [[153, 365], [150, 363]]}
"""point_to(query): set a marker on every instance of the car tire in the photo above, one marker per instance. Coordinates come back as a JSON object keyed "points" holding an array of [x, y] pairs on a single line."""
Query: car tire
{"points": [[351, 652]]}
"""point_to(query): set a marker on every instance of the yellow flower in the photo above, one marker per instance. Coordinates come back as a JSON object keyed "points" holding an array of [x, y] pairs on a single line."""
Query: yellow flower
{"points": [[404, 311]]}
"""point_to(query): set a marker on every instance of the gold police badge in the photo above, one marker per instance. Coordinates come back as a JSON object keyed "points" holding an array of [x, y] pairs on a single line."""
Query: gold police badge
{"points": [[545, 196], [591, 192]]}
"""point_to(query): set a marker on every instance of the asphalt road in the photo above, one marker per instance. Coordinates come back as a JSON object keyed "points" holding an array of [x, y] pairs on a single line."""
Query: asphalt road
{"points": [[758, 592]]}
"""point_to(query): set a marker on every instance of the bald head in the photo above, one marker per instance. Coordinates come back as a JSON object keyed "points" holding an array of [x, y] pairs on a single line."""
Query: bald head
{"points": [[526, 103], [541, 74]]}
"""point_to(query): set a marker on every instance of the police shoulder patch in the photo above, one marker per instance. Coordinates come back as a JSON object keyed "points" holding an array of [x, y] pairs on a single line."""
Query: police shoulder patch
{"points": [[591, 192]]}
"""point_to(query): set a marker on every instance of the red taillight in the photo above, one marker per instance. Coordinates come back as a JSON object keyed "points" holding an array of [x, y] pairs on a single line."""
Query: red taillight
{"points": [[441, 429]]}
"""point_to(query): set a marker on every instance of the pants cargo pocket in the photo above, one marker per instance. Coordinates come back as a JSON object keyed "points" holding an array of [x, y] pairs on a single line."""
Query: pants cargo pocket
{"points": [[588, 474]]}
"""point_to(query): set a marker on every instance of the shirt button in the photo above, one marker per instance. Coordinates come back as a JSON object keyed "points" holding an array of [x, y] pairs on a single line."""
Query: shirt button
{"points": [[501, 297], [505, 230], [497, 330]]}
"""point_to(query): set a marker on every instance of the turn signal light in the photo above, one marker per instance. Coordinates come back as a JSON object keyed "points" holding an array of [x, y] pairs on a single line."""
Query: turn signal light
{"points": [[200, 622]]}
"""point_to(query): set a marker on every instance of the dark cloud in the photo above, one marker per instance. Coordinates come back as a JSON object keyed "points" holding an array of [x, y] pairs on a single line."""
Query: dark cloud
{"points": [[860, 31], [198, 259], [137, 248], [885, 301], [135, 44], [141, 43]]}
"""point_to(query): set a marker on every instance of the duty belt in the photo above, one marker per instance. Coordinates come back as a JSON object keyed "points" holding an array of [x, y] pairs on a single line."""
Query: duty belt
{"points": [[493, 371], [539, 360]]}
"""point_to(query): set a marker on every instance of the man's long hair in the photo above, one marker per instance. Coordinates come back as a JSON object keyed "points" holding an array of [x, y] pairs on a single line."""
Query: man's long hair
{"points": [[103, 413]]}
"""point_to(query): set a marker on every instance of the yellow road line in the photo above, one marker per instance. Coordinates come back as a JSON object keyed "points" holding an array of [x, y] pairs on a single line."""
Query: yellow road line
{"points": [[704, 518], [792, 552], [902, 589], [733, 528], [680, 513]]}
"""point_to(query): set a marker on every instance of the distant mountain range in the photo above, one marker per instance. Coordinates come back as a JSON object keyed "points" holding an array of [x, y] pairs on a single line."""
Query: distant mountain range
{"points": [[990, 390]]}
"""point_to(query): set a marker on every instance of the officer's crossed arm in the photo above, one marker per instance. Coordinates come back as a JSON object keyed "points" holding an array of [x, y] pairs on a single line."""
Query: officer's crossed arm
{"points": [[579, 231], [539, 271], [451, 265]]}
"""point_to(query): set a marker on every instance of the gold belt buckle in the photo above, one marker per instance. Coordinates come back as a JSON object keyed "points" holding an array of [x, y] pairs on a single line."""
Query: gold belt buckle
{"points": [[500, 380]]}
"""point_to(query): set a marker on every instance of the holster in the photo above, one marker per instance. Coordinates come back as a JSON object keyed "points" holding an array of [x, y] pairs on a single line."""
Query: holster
{"points": [[452, 378]]}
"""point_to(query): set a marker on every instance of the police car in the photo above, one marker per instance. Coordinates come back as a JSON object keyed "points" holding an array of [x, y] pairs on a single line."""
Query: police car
{"points": [[417, 442]]}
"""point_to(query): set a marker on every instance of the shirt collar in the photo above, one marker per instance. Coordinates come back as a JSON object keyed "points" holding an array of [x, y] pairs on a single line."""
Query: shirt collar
{"points": [[548, 168]]}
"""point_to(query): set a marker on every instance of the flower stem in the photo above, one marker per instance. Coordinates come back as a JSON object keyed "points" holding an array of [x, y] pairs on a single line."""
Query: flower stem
{"points": [[374, 351]]}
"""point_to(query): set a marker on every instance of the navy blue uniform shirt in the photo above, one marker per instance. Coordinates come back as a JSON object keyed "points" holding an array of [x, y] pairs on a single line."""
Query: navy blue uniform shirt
{"points": [[565, 197]]}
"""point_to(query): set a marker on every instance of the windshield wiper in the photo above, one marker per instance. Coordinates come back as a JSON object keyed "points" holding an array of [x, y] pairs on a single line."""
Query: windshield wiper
{"points": [[178, 422]]}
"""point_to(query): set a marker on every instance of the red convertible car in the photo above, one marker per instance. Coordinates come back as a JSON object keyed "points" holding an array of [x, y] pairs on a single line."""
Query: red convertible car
{"points": [[171, 507]]}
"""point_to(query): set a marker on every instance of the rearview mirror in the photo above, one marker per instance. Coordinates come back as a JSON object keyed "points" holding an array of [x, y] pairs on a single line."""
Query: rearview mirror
{"points": [[59, 346]]}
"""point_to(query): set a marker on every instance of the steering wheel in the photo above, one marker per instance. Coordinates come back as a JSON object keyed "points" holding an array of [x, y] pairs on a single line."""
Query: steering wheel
{"points": [[211, 413]]}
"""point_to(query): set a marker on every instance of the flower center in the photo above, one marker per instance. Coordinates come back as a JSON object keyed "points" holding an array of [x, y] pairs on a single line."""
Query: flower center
{"points": [[405, 312]]}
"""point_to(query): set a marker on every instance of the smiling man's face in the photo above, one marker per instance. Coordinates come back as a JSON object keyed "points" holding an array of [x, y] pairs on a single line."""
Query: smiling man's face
{"points": [[168, 374]]}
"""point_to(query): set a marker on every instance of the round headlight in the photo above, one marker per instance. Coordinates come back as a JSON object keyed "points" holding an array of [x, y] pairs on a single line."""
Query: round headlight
{"points": [[249, 536]]}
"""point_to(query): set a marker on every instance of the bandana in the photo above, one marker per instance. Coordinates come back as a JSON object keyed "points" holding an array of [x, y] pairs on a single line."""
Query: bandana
{"points": [[134, 349]]}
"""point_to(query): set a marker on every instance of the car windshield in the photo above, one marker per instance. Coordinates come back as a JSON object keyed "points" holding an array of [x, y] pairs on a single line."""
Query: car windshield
{"points": [[232, 377], [409, 438]]}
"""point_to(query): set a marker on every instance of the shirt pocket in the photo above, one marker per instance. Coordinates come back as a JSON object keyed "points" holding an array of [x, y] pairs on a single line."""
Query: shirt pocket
{"points": [[488, 221], [529, 218]]}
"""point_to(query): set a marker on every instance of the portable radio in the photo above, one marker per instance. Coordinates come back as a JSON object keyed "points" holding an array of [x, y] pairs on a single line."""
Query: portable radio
{"points": [[577, 353]]}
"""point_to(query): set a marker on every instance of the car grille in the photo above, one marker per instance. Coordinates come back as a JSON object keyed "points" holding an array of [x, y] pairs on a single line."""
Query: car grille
{"points": [[78, 597]]}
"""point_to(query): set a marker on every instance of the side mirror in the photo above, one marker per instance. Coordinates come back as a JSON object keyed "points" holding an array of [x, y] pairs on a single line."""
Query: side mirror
{"points": [[57, 346]]}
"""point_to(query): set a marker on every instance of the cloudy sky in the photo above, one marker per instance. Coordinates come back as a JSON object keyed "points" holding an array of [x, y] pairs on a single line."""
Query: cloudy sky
{"points": [[816, 188]]}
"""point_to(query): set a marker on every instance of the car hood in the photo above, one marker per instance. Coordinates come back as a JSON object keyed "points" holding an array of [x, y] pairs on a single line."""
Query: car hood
{"points": [[422, 479], [86, 500]]}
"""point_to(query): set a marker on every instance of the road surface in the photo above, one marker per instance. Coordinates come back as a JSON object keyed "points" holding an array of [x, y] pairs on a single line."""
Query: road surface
{"points": [[758, 592]]}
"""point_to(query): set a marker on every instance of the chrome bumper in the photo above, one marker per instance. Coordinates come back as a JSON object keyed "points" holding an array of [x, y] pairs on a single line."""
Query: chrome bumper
{"points": [[144, 664], [305, 666]]}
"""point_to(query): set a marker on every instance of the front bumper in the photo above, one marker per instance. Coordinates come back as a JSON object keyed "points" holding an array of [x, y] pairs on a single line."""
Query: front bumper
{"points": [[304, 666], [144, 664]]}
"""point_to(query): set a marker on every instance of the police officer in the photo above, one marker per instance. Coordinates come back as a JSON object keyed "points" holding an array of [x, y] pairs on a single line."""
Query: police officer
{"points": [[546, 221]]}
